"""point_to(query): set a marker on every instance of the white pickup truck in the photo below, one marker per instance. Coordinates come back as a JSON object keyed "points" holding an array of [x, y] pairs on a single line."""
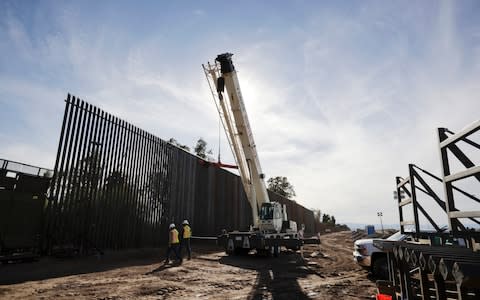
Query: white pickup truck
{"points": [[372, 258]]}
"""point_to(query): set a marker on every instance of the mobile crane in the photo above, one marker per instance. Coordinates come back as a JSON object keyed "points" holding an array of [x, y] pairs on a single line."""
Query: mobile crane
{"points": [[271, 228]]}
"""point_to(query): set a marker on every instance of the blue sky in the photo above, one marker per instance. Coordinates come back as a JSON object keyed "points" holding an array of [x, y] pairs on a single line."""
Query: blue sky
{"points": [[341, 95]]}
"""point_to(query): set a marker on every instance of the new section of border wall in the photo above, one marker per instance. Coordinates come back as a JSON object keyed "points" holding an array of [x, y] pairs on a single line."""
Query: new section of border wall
{"points": [[117, 186]]}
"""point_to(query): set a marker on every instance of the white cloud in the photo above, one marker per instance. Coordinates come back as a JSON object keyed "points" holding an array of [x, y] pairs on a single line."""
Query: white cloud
{"points": [[370, 117], [339, 105]]}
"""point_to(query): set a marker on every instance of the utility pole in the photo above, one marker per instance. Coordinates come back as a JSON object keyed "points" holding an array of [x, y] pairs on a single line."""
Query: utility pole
{"points": [[380, 214]]}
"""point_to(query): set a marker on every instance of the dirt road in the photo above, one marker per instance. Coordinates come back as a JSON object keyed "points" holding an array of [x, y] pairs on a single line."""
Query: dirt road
{"points": [[327, 272]]}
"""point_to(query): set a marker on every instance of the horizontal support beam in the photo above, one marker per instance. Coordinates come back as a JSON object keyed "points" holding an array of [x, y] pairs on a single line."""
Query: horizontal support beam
{"points": [[461, 134], [403, 182], [407, 223], [462, 174], [405, 202], [464, 214]]}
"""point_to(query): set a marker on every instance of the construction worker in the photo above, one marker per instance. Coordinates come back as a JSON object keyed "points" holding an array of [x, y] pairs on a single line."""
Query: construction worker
{"points": [[173, 244], [186, 235]]}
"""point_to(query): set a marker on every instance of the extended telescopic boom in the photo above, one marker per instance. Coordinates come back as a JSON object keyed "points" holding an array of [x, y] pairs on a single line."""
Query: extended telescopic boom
{"points": [[235, 122]]}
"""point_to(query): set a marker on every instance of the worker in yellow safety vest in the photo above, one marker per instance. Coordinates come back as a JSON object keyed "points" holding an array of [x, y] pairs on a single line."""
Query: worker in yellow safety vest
{"points": [[173, 244], [186, 234]]}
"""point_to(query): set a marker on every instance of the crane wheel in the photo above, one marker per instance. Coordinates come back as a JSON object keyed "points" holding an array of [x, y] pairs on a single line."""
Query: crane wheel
{"points": [[229, 247], [276, 250]]}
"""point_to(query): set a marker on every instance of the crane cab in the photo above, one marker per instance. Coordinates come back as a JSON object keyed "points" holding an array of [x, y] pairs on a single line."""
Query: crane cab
{"points": [[272, 215]]}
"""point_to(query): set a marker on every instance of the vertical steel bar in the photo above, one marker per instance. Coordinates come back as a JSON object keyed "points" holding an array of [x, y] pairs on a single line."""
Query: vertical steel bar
{"points": [[79, 201], [92, 179], [78, 205], [133, 192], [97, 195], [414, 198], [53, 186], [114, 185], [158, 189], [144, 186], [449, 200], [142, 189], [57, 174], [130, 200], [135, 189], [57, 228], [172, 168], [68, 214], [106, 178], [400, 210], [175, 168], [144, 219], [137, 214], [148, 188], [121, 219], [116, 212], [166, 190], [170, 173], [164, 183], [140, 154], [66, 235], [128, 186], [152, 189]]}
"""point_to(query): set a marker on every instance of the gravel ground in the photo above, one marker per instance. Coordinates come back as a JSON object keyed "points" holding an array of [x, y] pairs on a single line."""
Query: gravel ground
{"points": [[325, 272]]}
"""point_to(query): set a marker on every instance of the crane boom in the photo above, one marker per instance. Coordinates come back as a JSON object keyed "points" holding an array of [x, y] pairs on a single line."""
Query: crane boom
{"points": [[235, 121], [272, 229]]}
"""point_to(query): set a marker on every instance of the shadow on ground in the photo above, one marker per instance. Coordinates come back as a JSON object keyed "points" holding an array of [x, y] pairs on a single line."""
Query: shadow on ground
{"points": [[164, 266], [277, 277], [50, 267]]}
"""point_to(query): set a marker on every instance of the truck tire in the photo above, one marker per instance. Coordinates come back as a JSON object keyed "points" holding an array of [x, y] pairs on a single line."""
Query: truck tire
{"points": [[270, 251], [276, 250], [380, 267], [229, 249]]}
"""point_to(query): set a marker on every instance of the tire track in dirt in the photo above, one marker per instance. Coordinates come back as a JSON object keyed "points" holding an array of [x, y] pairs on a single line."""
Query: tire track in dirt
{"points": [[340, 277], [335, 253]]}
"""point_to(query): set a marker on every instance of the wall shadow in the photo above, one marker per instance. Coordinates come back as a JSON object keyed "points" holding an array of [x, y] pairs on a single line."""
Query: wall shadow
{"points": [[50, 267]]}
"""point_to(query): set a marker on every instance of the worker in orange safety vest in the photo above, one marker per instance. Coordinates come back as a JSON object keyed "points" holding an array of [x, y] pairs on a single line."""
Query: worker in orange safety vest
{"points": [[186, 234], [173, 244]]}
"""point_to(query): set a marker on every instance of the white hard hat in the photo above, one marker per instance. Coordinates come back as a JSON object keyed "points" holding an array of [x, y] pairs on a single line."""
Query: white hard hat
{"points": [[171, 226], [185, 222]]}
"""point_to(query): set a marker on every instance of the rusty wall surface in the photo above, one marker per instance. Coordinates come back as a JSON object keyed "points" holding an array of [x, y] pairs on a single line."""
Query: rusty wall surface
{"points": [[117, 186]]}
